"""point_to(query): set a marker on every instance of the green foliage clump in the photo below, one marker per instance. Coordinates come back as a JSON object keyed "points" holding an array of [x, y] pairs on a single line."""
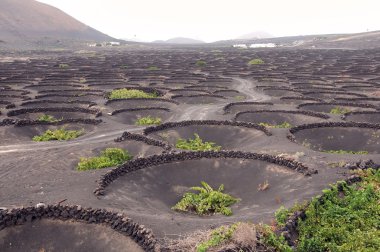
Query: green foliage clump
{"points": [[48, 118], [257, 61], [346, 152], [196, 144], [63, 66], [344, 220], [201, 63], [108, 158], [240, 97], [148, 120], [218, 237], [271, 240], [125, 93], [60, 134], [339, 110], [207, 201], [284, 125], [153, 68], [282, 214]]}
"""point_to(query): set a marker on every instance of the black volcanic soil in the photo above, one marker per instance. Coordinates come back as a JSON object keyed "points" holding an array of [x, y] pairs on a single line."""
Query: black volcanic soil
{"points": [[54, 235], [45, 172], [338, 138], [277, 117]]}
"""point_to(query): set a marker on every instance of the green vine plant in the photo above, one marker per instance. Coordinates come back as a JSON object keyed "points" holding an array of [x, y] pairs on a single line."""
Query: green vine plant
{"points": [[125, 93], [284, 125], [346, 152], [347, 219], [218, 237], [207, 201], [196, 144], [60, 134], [257, 61], [108, 158], [201, 63], [48, 118], [339, 110], [148, 120]]}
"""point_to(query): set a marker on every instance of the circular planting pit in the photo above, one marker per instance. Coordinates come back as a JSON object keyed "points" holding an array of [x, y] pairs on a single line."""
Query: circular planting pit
{"points": [[134, 147], [54, 87], [366, 117], [187, 92], [140, 103], [59, 113], [297, 100], [130, 116], [13, 98], [356, 137], [134, 186], [53, 235], [54, 104], [332, 95], [199, 99], [370, 100], [278, 92], [62, 228], [277, 117], [228, 135], [29, 129], [327, 107], [245, 106], [64, 97], [231, 93]]}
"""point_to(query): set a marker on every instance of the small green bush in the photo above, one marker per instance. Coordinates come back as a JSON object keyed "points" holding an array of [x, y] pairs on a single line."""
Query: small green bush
{"points": [[153, 68], [125, 93], [257, 61], [108, 158], [196, 144], [282, 214], [339, 110], [59, 134], [218, 237], [63, 66], [201, 63], [284, 125], [240, 97], [148, 120], [271, 240], [48, 118], [346, 152], [207, 201]]}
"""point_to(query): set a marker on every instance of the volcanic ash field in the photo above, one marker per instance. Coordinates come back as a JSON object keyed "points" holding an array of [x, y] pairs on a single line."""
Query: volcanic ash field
{"points": [[283, 130]]}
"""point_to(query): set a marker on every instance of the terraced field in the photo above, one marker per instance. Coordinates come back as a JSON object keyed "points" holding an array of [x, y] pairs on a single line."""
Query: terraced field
{"points": [[292, 123]]}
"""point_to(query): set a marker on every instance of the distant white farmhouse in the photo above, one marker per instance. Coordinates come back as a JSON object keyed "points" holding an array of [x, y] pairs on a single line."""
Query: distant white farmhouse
{"points": [[112, 43], [245, 46], [240, 46], [262, 45]]}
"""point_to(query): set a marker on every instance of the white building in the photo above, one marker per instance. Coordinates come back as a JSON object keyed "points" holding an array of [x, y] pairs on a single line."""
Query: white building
{"points": [[240, 46], [262, 45]]}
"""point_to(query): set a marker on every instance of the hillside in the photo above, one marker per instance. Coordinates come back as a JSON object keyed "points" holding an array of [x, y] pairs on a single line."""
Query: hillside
{"points": [[179, 40], [29, 21], [366, 40]]}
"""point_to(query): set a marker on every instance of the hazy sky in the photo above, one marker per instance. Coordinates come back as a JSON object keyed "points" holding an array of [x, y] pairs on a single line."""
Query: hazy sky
{"points": [[212, 20]]}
